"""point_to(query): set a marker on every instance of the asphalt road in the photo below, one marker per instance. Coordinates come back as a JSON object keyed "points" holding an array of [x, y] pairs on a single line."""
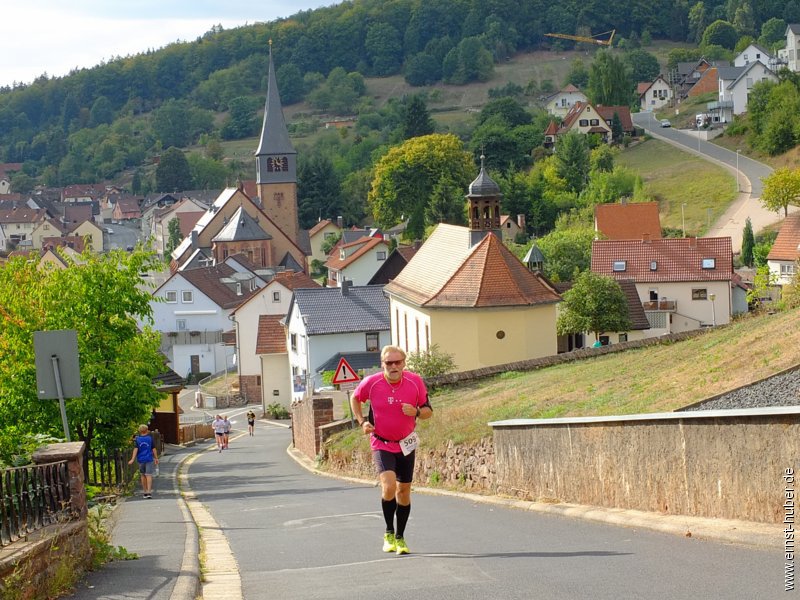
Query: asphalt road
{"points": [[749, 175], [299, 535], [123, 236]]}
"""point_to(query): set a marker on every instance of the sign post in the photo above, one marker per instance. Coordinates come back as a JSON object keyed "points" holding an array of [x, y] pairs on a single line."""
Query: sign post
{"points": [[58, 371], [346, 378]]}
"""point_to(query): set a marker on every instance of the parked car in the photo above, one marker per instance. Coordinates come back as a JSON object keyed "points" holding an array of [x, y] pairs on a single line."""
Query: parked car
{"points": [[109, 230], [665, 123]]}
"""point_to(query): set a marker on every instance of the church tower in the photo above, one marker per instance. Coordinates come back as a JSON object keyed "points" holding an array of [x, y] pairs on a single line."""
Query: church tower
{"points": [[276, 163], [484, 206]]}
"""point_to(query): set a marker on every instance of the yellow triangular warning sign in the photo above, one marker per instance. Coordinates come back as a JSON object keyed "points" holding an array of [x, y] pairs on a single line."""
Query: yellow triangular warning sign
{"points": [[344, 373]]}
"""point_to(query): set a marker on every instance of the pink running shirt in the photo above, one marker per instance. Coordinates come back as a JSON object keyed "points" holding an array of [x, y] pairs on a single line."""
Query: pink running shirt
{"points": [[385, 399]]}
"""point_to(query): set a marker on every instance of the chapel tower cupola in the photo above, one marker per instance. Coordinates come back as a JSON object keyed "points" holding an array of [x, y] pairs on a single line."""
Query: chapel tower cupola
{"points": [[484, 205], [276, 163]]}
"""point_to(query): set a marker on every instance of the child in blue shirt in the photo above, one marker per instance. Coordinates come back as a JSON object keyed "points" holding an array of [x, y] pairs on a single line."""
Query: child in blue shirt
{"points": [[145, 453]]}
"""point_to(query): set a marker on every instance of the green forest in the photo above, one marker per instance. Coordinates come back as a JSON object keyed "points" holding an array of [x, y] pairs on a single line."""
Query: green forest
{"points": [[115, 121]]}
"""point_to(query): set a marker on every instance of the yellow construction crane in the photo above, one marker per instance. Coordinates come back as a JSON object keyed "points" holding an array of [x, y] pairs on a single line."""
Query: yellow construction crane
{"points": [[587, 40]]}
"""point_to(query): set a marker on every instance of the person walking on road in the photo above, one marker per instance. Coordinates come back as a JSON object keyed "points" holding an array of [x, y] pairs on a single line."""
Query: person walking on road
{"points": [[146, 455], [397, 399], [218, 425], [227, 435], [251, 421]]}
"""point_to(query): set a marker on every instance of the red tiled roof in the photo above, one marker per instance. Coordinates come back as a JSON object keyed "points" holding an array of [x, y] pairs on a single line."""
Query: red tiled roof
{"points": [[187, 221], [7, 168], [569, 88], [607, 113], [552, 128], [676, 259], [22, 214], [366, 243], [486, 275], [629, 221], [207, 281], [318, 227], [787, 244], [271, 335], [78, 213], [642, 87], [294, 281], [572, 114], [72, 241]]}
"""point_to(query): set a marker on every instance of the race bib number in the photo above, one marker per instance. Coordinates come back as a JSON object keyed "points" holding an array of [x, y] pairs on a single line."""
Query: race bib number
{"points": [[409, 443]]}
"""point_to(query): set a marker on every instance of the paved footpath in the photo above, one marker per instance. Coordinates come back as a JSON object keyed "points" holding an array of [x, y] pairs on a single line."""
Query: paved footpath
{"points": [[270, 529]]}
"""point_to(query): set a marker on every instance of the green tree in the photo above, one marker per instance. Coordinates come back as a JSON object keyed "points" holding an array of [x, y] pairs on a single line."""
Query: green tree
{"points": [[609, 83], [781, 188], [577, 75], [207, 173], [171, 123], [698, 21], [415, 118], [384, 48], [318, 189], [748, 242], [763, 283], [602, 158], [136, 183], [507, 110], [772, 32], [567, 251], [572, 160], [22, 183], [174, 237], [290, 83], [173, 173], [423, 69], [404, 179], [241, 120], [101, 297], [447, 204], [643, 65], [431, 362], [594, 303], [469, 61], [102, 112], [720, 33]]}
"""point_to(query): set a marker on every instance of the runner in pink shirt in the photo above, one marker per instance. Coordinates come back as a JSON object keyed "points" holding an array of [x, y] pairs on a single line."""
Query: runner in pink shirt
{"points": [[397, 399]]}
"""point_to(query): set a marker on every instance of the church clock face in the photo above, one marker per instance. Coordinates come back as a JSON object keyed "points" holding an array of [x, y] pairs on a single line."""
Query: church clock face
{"points": [[277, 164]]}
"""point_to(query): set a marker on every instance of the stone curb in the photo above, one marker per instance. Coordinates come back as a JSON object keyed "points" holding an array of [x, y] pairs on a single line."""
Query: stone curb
{"points": [[746, 533]]}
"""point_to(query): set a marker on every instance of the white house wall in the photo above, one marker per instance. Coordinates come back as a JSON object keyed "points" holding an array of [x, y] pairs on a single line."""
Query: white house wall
{"points": [[740, 92], [247, 324], [692, 311], [361, 271], [275, 384]]}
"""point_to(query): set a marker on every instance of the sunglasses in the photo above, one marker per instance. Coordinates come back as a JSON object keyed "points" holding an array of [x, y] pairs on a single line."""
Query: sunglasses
{"points": [[391, 363]]}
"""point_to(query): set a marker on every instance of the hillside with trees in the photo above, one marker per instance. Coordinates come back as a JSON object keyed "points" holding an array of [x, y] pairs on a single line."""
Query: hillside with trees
{"points": [[165, 120]]}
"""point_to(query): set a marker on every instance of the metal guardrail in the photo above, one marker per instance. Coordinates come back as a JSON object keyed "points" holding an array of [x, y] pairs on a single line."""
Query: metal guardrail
{"points": [[31, 498]]}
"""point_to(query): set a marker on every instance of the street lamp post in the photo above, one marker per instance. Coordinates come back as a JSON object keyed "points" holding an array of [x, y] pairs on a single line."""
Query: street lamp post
{"points": [[713, 297], [738, 187], [683, 220]]}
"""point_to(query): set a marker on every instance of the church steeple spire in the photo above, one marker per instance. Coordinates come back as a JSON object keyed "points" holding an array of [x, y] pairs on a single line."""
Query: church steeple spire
{"points": [[274, 136], [276, 162]]}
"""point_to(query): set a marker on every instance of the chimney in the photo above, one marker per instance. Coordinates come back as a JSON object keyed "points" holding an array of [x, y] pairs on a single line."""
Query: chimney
{"points": [[340, 222], [521, 222], [194, 238], [646, 238], [345, 286]]}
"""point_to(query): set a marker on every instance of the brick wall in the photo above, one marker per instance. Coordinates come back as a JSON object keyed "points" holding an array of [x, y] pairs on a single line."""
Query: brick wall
{"points": [[307, 417], [250, 388]]}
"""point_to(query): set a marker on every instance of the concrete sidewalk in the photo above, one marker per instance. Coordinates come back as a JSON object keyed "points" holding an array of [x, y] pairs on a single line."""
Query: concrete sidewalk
{"points": [[163, 534]]}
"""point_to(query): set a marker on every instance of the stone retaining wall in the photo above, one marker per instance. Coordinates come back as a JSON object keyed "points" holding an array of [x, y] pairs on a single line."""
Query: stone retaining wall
{"points": [[307, 417]]}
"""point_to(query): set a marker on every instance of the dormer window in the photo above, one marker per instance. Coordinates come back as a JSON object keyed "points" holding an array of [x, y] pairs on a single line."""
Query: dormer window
{"points": [[619, 266], [653, 265], [342, 254], [709, 263]]}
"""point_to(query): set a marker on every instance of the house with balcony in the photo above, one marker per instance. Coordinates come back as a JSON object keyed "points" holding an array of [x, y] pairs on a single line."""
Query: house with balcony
{"points": [[735, 84], [683, 283], [324, 322], [19, 223], [194, 312], [789, 55]]}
